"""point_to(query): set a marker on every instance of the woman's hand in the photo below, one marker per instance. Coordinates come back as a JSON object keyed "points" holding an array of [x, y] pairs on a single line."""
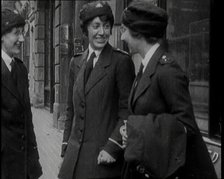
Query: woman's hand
{"points": [[105, 158]]}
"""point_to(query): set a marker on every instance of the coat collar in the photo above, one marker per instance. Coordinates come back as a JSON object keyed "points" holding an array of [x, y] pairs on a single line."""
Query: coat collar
{"points": [[81, 64], [99, 71], [145, 80], [83, 58]]}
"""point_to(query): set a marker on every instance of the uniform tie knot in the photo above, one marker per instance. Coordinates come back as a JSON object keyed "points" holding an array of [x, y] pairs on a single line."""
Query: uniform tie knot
{"points": [[89, 66], [13, 71], [139, 75]]}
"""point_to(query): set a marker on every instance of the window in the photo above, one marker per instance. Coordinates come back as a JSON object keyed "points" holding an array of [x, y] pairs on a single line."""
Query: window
{"points": [[188, 35]]}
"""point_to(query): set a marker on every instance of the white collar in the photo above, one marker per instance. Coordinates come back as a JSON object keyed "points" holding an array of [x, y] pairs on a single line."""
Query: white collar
{"points": [[149, 54], [7, 59], [97, 52]]}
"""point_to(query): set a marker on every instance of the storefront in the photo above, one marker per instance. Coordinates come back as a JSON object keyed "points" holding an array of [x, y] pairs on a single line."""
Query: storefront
{"points": [[189, 38]]}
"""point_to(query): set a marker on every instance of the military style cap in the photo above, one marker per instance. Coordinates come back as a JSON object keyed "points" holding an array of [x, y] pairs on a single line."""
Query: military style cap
{"points": [[145, 18], [10, 20], [94, 9]]}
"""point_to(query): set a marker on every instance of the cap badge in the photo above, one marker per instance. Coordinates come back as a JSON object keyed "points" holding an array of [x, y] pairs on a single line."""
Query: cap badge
{"points": [[99, 5], [16, 12]]}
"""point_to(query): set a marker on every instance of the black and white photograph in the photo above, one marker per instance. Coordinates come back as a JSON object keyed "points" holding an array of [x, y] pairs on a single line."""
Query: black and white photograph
{"points": [[110, 89]]}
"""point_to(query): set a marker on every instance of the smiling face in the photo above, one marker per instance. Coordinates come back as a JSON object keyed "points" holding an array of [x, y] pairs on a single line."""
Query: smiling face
{"points": [[11, 41], [98, 33]]}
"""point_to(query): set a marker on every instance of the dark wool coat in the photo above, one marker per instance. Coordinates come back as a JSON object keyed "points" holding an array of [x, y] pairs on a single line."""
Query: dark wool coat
{"points": [[19, 154], [95, 113], [163, 89], [156, 143]]}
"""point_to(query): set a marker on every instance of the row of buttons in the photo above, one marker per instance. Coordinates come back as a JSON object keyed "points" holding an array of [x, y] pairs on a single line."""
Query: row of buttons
{"points": [[82, 116], [22, 147]]}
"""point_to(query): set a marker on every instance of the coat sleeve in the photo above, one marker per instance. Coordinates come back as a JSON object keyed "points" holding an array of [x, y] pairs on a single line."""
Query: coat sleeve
{"points": [[32, 137], [69, 108], [125, 74], [32, 143], [173, 84], [157, 142]]}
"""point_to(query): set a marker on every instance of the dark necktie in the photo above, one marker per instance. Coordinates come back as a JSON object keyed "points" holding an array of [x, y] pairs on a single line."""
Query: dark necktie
{"points": [[89, 66], [13, 71], [138, 77]]}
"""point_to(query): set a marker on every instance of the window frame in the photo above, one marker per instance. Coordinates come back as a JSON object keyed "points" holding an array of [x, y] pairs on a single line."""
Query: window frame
{"points": [[214, 104]]}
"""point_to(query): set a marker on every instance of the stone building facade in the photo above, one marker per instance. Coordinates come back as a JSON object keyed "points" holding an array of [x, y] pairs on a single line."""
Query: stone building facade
{"points": [[53, 37]]}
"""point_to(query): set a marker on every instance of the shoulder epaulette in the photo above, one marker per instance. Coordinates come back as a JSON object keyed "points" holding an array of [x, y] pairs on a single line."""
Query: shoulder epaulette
{"points": [[121, 51], [164, 59], [77, 55]]}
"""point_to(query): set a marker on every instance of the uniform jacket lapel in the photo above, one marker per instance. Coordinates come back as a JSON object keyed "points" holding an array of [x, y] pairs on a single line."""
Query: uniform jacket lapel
{"points": [[99, 71], [145, 80], [22, 81], [80, 76], [130, 98], [7, 81]]}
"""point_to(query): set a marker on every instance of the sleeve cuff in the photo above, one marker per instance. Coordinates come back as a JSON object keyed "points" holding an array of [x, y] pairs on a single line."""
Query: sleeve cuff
{"points": [[113, 148], [115, 142]]}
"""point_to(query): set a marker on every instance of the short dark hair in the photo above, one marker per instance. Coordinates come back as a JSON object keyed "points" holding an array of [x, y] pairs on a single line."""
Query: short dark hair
{"points": [[148, 38]]}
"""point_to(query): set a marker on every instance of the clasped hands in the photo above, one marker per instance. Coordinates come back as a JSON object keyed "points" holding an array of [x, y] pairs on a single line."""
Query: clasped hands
{"points": [[104, 157]]}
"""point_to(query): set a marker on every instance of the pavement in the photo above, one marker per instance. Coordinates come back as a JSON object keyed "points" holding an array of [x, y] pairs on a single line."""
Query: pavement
{"points": [[49, 141]]}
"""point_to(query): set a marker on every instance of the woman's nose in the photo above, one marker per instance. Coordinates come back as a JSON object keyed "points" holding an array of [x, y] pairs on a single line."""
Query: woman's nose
{"points": [[101, 30], [21, 38]]}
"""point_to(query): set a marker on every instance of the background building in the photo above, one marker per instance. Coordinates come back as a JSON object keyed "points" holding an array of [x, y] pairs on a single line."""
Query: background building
{"points": [[54, 36]]}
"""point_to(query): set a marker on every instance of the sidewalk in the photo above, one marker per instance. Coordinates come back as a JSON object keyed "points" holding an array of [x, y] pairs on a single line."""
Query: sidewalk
{"points": [[49, 142]]}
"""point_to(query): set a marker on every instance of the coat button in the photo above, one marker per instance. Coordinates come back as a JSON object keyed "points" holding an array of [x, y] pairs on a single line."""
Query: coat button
{"points": [[22, 148], [80, 140], [147, 175], [82, 117], [140, 169], [22, 137], [83, 104]]}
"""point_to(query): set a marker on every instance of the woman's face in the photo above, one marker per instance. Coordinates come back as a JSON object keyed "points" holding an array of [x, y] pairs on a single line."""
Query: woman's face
{"points": [[98, 33], [11, 41], [131, 41]]}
